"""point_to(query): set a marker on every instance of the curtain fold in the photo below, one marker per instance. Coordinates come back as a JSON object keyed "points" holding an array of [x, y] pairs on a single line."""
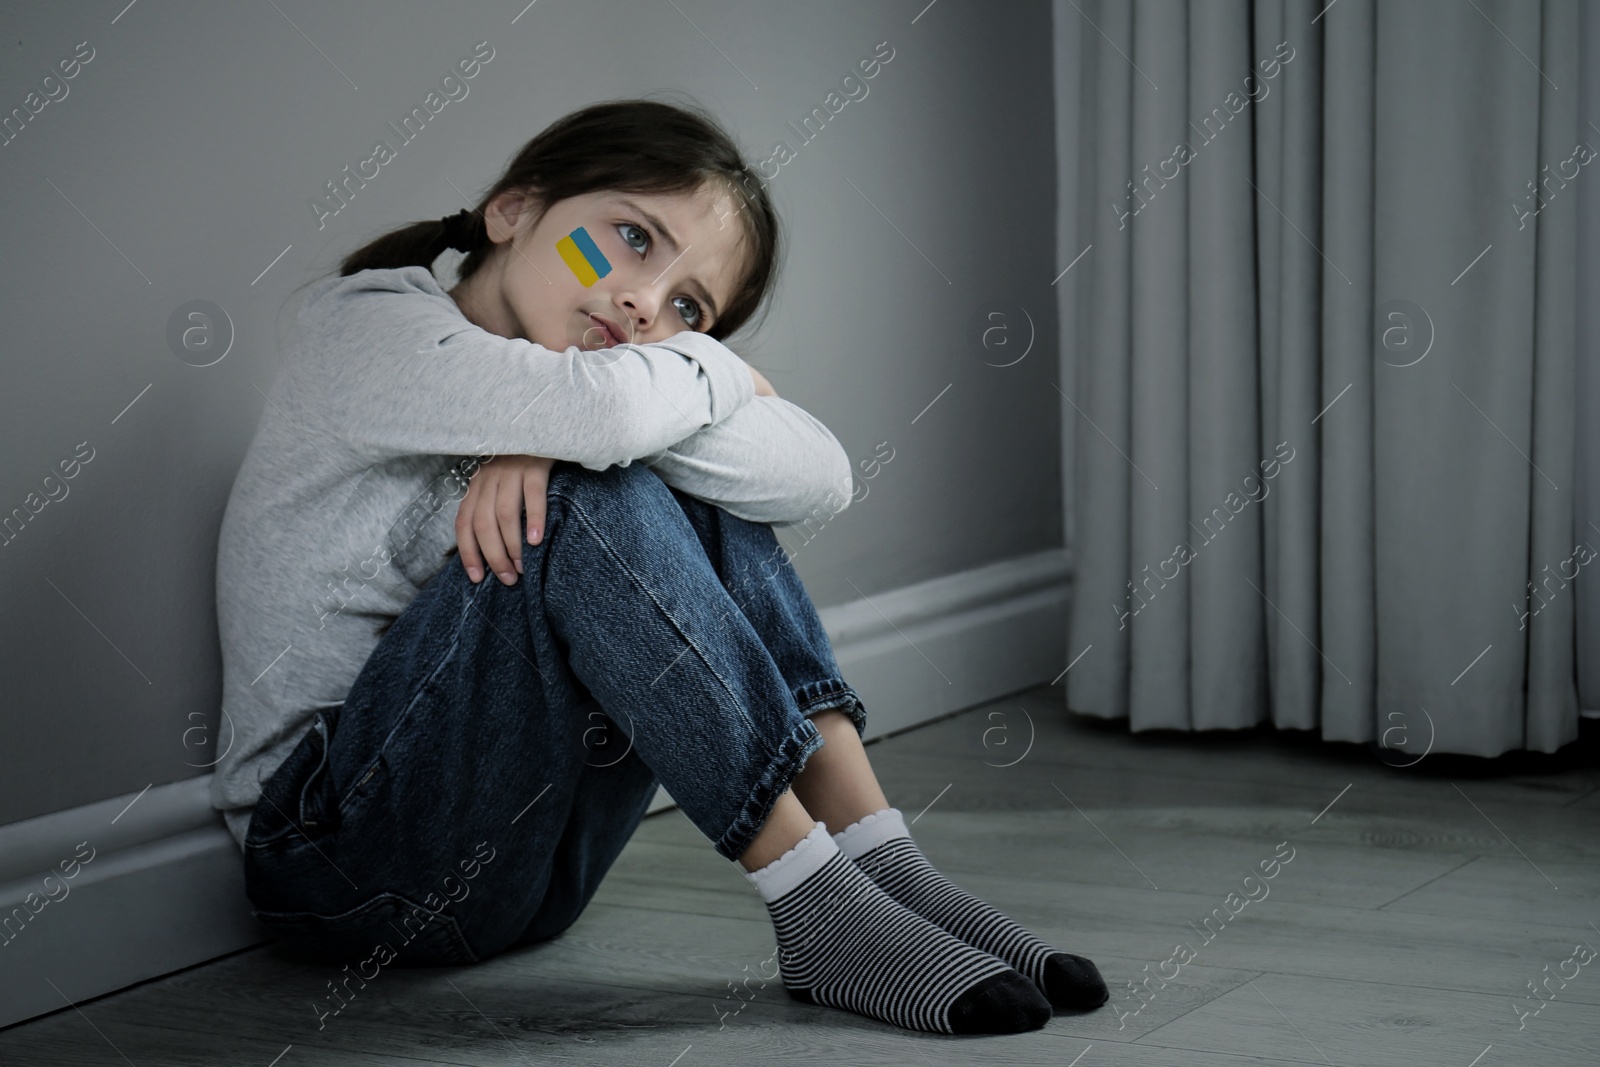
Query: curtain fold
{"points": [[1586, 521], [1319, 367]]}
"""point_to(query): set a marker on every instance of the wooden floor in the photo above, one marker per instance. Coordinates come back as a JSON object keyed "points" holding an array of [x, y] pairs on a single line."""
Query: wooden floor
{"points": [[1418, 905]]}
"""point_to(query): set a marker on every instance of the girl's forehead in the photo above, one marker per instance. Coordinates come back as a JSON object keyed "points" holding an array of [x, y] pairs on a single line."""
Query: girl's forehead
{"points": [[699, 219], [687, 208]]}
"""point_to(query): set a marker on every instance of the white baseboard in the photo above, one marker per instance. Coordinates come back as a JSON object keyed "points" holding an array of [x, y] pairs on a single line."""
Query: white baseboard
{"points": [[165, 887], [163, 890]]}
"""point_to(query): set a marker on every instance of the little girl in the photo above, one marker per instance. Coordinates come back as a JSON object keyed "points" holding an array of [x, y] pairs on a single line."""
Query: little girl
{"points": [[432, 766]]}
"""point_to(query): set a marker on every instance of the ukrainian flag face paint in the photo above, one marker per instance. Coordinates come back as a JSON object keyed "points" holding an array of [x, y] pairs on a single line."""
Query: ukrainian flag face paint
{"points": [[579, 252], [650, 265]]}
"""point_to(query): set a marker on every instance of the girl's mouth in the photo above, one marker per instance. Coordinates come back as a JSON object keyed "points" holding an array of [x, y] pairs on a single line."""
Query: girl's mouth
{"points": [[612, 339]]}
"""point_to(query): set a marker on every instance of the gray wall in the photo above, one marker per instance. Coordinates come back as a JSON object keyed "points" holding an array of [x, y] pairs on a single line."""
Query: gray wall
{"points": [[182, 161]]}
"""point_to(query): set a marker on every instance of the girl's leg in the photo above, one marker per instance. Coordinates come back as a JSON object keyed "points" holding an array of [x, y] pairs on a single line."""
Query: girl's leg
{"points": [[444, 786], [837, 784], [461, 745], [786, 824]]}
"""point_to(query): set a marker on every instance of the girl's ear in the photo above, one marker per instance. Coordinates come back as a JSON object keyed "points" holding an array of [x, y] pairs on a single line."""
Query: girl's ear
{"points": [[511, 210]]}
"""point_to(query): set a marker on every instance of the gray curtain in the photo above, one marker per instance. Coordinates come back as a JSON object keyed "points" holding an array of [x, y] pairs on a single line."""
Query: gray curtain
{"points": [[1319, 366], [1586, 524]]}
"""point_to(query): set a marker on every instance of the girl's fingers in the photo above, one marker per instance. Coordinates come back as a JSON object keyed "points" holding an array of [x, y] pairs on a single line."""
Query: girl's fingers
{"points": [[763, 387], [508, 521], [466, 540], [535, 488], [488, 527], [491, 542]]}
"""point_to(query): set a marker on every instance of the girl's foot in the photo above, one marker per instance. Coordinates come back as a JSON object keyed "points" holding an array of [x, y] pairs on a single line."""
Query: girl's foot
{"points": [[845, 943], [882, 847]]}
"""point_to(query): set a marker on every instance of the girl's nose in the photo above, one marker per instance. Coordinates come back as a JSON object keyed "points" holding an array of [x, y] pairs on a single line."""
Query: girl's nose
{"points": [[641, 311]]}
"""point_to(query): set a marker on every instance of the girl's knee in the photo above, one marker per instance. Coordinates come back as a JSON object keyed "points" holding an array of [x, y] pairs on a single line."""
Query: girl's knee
{"points": [[574, 481], [619, 503]]}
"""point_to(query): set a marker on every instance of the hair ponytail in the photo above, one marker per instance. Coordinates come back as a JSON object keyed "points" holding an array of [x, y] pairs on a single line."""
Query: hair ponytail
{"points": [[636, 146], [417, 245]]}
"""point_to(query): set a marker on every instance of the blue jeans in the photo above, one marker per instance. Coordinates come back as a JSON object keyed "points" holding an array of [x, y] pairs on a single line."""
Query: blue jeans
{"points": [[501, 743]]}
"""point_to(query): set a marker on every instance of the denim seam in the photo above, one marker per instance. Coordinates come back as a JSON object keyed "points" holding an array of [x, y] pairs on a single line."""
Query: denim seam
{"points": [[319, 725], [405, 716], [837, 693], [297, 799], [451, 926], [833, 694], [578, 512], [781, 769]]}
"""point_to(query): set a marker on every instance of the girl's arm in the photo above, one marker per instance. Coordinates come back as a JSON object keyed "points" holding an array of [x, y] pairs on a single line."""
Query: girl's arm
{"points": [[770, 461], [397, 371]]}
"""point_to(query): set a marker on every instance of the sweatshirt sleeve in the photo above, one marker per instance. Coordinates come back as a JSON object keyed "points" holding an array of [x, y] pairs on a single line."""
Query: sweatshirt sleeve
{"points": [[770, 462], [403, 372]]}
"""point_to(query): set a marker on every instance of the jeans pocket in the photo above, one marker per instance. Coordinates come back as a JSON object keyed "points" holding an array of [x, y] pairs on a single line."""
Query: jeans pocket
{"points": [[389, 927], [293, 807]]}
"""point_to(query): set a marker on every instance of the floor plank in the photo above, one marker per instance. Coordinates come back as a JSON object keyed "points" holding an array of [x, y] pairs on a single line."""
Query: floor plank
{"points": [[1318, 1020], [1067, 846], [1417, 905]]}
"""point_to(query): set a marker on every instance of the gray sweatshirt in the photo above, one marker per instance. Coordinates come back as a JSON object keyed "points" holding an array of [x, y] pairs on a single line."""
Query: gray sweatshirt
{"points": [[346, 501]]}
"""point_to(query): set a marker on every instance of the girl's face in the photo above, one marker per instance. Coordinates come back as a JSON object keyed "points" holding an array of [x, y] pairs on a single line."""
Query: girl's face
{"points": [[669, 264]]}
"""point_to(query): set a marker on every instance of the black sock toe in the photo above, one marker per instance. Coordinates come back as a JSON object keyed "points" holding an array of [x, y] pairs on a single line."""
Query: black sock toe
{"points": [[1005, 1003], [1073, 982]]}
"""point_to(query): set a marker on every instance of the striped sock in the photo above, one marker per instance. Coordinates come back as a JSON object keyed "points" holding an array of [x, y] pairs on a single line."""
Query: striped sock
{"points": [[845, 944], [882, 847]]}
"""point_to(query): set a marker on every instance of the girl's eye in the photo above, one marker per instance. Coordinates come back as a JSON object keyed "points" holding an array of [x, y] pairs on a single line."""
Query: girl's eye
{"points": [[627, 229], [689, 309], [692, 315]]}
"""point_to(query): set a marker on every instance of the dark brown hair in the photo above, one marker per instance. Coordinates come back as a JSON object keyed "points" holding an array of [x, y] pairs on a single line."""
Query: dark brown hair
{"points": [[635, 146]]}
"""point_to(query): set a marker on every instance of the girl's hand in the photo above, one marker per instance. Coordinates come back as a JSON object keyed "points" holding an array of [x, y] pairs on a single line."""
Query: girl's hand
{"points": [[486, 522], [763, 387]]}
